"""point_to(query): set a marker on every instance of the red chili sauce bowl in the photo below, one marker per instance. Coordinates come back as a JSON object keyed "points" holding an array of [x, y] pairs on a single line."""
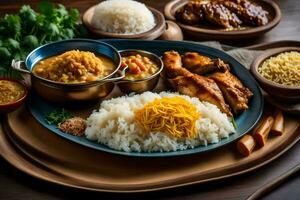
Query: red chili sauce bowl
{"points": [[13, 105]]}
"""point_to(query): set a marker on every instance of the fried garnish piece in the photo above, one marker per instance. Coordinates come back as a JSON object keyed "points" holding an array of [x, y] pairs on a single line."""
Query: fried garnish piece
{"points": [[191, 84], [200, 64], [235, 93], [75, 126]]}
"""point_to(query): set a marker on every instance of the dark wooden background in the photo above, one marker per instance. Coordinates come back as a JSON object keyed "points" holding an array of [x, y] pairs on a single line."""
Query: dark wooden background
{"points": [[16, 185]]}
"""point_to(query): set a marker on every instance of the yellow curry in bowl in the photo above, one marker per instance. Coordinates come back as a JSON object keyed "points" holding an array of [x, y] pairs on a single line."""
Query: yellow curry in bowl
{"points": [[74, 67], [10, 91], [140, 67]]}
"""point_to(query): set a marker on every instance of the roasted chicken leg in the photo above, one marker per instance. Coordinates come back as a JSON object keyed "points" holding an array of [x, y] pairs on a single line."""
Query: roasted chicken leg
{"points": [[191, 13], [191, 84], [216, 13], [200, 64], [235, 93], [249, 12]]}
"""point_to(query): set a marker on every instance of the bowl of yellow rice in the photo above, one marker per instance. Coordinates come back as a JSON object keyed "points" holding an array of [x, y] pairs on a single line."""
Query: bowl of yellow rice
{"points": [[278, 72]]}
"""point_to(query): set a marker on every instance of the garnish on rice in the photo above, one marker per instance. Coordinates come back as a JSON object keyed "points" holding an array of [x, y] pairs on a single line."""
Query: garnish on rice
{"points": [[172, 115]]}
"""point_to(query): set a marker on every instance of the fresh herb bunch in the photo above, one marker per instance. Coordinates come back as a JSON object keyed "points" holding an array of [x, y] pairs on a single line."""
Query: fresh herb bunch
{"points": [[58, 116], [20, 33]]}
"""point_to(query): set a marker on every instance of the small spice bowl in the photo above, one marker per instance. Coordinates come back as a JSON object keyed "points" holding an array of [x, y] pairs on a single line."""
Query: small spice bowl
{"points": [[279, 91], [15, 104], [145, 84]]}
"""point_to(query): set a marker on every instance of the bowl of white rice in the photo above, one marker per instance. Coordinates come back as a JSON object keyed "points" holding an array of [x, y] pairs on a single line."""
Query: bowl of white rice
{"points": [[126, 19]]}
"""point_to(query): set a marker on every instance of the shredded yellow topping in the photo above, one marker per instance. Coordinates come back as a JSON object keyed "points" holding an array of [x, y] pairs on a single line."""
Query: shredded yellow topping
{"points": [[172, 115]]}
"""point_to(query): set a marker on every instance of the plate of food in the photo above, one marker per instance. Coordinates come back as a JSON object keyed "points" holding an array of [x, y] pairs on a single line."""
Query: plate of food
{"points": [[204, 99], [216, 19]]}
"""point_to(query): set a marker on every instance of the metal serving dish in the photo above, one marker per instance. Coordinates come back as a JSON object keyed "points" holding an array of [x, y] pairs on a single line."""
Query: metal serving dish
{"points": [[146, 84], [64, 92]]}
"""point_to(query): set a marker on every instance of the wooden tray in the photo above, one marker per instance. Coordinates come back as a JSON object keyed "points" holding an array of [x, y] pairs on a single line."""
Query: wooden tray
{"points": [[54, 159], [34, 150]]}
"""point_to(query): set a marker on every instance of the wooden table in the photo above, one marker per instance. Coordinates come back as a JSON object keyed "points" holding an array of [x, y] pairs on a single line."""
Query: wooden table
{"points": [[16, 185]]}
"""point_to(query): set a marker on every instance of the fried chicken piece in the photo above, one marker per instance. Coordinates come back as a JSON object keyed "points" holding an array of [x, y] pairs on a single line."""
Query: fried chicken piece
{"points": [[235, 93], [191, 84], [216, 13], [190, 13], [203, 88], [249, 12], [200, 64], [173, 65]]}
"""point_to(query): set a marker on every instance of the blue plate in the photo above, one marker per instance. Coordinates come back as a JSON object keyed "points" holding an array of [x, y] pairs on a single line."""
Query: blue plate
{"points": [[245, 121]]}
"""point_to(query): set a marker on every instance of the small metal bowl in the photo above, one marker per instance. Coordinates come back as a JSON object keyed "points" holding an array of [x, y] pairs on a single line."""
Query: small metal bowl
{"points": [[9, 107], [142, 85], [65, 92]]}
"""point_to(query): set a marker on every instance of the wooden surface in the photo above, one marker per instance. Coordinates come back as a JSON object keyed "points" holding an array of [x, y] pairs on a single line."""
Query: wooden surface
{"points": [[16, 185], [124, 174]]}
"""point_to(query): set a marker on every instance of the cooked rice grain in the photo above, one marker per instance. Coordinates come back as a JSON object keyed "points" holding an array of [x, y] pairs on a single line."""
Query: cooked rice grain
{"points": [[283, 68], [123, 17]]}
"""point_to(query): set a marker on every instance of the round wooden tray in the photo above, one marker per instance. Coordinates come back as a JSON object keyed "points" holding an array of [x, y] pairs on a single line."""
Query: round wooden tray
{"points": [[211, 33], [40, 153]]}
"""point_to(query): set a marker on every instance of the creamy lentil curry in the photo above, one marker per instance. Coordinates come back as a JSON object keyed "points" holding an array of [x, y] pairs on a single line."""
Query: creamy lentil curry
{"points": [[10, 91], [140, 67], [74, 67]]}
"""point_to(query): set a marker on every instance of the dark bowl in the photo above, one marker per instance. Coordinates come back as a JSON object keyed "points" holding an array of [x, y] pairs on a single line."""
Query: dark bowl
{"points": [[276, 90], [9, 107]]}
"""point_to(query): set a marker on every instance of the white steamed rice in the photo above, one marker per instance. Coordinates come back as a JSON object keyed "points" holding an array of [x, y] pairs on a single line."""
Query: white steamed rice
{"points": [[113, 125], [123, 17]]}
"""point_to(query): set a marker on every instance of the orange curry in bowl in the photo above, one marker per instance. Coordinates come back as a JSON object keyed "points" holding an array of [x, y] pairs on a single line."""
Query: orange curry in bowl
{"points": [[74, 67], [139, 67]]}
